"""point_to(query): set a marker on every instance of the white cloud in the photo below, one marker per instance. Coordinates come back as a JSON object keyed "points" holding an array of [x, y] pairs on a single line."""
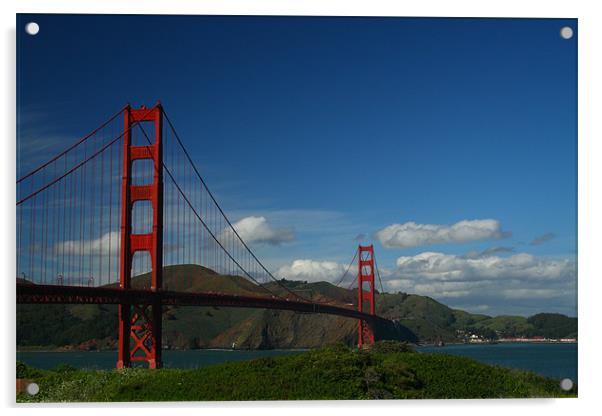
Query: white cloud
{"points": [[411, 234], [517, 293], [446, 267], [488, 252], [521, 279], [258, 230], [472, 308], [517, 284], [314, 271], [539, 240], [105, 245]]}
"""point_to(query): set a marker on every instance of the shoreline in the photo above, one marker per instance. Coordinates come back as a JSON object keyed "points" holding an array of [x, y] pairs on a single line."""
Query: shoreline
{"points": [[496, 343], [428, 345], [319, 377], [167, 349]]}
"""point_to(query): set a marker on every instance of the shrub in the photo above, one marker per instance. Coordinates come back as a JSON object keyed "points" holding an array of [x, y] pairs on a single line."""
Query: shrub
{"points": [[64, 368], [389, 347]]}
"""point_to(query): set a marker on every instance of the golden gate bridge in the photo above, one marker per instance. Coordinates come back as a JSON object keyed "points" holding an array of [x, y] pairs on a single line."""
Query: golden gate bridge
{"points": [[127, 200]]}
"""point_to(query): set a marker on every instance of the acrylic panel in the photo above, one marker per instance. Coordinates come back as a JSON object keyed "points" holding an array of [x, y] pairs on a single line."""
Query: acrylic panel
{"points": [[295, 208]]}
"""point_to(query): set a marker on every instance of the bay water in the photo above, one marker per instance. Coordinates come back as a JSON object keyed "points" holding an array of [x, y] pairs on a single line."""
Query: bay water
{"points": [[551, 360]]}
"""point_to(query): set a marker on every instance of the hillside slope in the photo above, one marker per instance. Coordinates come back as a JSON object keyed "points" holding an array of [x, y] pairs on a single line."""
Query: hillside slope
{"points": [[95, 327], [418, 318]]}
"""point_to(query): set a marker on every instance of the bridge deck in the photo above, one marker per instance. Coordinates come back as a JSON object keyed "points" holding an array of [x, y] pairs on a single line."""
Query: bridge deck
{"points": [[27, 293]]}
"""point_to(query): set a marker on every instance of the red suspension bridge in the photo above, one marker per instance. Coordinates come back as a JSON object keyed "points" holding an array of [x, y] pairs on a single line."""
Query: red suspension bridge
{"points": [[127, 200]]}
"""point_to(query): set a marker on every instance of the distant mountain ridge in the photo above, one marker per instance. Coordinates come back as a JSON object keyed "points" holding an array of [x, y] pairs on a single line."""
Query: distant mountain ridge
{"points": [[418, 318]]}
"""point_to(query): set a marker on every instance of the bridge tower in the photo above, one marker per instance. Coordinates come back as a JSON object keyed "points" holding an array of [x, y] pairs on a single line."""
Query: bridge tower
{"points": [[140, 324], [365, 285]]}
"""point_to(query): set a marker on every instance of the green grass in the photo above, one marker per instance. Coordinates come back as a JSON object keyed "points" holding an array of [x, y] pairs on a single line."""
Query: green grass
{"points": [[388, 371]]}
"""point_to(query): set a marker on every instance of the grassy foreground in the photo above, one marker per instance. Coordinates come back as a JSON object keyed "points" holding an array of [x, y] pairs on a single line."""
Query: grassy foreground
{"points": [[387, 371]]}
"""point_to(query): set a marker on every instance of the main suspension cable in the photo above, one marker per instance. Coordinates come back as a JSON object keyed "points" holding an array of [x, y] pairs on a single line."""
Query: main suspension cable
{"points": [[382, 290], [79, 165], [209, 230], [223, 213], [348, 267], [83, 139]]}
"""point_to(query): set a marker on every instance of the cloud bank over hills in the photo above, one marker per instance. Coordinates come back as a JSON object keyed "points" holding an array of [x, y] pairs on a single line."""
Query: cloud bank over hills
{"points": [[411, 234]]}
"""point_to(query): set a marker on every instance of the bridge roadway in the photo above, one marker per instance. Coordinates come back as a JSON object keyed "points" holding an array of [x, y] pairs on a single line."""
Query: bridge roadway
{"points": [[33, 293]]}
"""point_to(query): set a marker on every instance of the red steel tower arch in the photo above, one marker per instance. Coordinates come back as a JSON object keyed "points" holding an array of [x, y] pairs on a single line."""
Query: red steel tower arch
{"points": [[365, 285], [140, 325]]}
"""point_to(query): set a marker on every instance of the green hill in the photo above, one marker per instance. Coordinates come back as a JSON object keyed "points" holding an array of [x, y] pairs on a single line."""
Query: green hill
{"points": [[548, 325], [387, 371], [417, 318], [554, 325]]}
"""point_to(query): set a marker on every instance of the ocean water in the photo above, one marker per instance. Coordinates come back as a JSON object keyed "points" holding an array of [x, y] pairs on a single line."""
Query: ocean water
{"points": [[103, 360], [551, 360]]}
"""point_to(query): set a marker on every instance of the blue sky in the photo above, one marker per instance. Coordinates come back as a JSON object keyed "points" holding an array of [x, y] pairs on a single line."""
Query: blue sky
{"points": [[338, 128]]}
